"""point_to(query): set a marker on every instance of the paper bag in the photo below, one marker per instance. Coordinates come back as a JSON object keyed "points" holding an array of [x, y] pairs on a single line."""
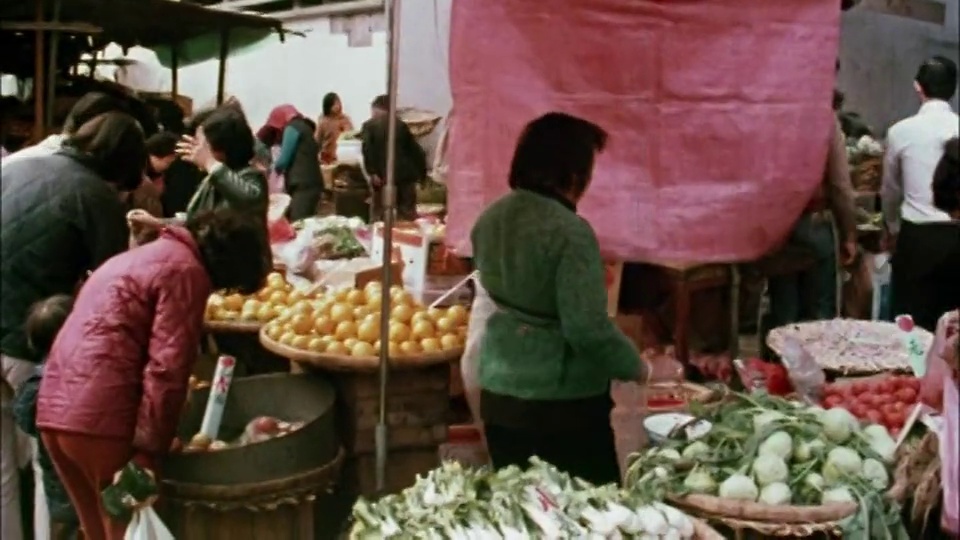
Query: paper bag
{"points": [[146, 525]]}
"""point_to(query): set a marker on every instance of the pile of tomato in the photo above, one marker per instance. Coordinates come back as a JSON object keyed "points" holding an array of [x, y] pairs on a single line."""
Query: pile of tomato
{"points": [[884, 400]]}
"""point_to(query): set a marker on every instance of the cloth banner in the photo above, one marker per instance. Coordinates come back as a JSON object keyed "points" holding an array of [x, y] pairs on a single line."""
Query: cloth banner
{"points": [[719, 114]]}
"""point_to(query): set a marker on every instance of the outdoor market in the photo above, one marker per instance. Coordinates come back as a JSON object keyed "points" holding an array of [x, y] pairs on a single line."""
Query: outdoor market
{"points": [[640, 281]]}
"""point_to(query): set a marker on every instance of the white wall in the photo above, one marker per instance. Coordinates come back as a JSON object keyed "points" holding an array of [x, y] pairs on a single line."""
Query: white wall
{"points": [[879, 57]]}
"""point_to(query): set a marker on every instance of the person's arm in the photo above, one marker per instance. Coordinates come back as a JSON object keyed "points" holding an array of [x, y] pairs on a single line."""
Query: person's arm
{"points": [[840, 188], [582, 306], [288, 149], [171, 353], [346, 126], [104, 225], [241, 189], [372, 149], [410, 146], [891, 192]]}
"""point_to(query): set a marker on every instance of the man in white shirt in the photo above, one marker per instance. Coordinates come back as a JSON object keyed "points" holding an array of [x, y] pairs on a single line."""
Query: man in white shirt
{"points": [[925, 239]]}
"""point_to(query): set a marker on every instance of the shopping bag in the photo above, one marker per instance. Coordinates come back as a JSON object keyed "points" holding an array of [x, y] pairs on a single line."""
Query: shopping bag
{"points": [[146, 525], [483, 307]]}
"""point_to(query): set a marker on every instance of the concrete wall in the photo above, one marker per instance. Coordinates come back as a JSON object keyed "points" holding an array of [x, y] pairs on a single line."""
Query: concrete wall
{"points": [[879, 56]]}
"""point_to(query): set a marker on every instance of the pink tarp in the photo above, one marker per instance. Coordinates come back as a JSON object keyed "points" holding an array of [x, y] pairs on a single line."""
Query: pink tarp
{"points": [[718, 111]]}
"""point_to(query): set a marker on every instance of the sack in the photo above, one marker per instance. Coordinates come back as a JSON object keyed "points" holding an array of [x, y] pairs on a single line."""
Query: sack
{"points": [[146, 525], [483, 307]]}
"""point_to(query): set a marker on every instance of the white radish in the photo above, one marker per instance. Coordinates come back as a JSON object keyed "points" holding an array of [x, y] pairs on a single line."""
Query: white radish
{"points": [[677, 519], [653, 521]]}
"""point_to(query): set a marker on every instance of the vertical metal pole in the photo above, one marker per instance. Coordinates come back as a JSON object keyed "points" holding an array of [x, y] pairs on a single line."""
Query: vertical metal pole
{"points": [[389, 204], [39, 112], [52, 66], [222, 71], [174, 71]]}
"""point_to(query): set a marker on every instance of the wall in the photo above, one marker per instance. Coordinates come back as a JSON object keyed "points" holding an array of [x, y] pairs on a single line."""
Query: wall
{"points": [[879, 56]]}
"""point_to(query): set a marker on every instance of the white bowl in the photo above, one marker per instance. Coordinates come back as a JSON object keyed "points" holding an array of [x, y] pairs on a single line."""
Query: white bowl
{"points": [[659, 426]]}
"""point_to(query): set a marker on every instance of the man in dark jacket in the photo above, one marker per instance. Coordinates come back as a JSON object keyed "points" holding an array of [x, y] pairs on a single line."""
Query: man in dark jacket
{"points": [[411, 161]]}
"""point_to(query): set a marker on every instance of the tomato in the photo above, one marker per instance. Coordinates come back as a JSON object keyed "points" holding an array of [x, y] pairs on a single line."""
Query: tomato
{"points": [[871, 400], [875, 416], [858, 410], [887, 407], [898, 406], [914, 384], [832, 400], [895, 432], [858, 388], [885, 387], [896, 419], [907, 395], [829, 389]]}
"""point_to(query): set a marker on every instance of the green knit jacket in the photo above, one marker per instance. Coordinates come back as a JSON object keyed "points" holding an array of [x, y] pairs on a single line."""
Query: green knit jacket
{"points": [[551, 337]]}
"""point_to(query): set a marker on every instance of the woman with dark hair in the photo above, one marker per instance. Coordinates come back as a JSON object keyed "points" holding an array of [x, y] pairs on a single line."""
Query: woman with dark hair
{"points": [[116, 377], [550, 349], [61, 217], [331, 126], [298, 160]]}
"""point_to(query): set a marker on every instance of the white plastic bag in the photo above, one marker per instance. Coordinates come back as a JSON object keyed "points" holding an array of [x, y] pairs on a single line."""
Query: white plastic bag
{"points": [[483, 307], [146, 525]]}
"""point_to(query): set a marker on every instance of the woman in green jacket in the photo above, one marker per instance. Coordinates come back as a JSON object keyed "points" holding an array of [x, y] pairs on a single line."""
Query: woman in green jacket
{"points": [[550, 350]]}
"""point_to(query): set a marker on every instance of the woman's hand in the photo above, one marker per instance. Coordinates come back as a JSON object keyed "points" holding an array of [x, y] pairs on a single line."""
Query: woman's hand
{"points": [[661, 370], [196, 151]]}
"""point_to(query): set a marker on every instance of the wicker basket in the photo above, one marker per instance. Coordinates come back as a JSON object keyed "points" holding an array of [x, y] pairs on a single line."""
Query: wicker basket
{"points": [[830, 529], [702, 531], [421, 122], [232, 327], [338, 362], [710, 507]]}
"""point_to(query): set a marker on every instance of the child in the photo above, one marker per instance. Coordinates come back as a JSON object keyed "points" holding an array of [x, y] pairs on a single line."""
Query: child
{"points": [[42, 324]]}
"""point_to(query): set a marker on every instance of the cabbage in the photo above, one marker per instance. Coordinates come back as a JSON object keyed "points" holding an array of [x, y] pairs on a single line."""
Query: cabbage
{"points": [[876, 473], [838, 494], [739, 486], [841, 462], [768, 469], [775, 493], [778, 444], [838, 424], [806, 450], [699, 481], [697, 449]]}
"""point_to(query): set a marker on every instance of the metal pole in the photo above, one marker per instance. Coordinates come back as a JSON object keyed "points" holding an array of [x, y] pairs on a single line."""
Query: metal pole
{"points": [[52, 67], [39, 111], [389, 204], [222, 68]]}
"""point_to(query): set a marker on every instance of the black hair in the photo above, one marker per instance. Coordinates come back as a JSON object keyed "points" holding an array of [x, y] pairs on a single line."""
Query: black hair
{"points": [[937, 78], [310, 123], [381, 102], [163, 144], [88, 107], [329, 101], [838, 99], [234, 247], [170, 116], [197, 120], [229, 134], [115, 141], [44, 321], [555, 154], [946, 178], [853, 125]]}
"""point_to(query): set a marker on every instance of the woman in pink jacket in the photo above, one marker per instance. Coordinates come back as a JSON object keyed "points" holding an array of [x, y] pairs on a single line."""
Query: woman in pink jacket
{"points": [[116, 378]]}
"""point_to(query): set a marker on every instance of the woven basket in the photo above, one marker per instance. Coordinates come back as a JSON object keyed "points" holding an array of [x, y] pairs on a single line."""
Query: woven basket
{"points": [[337, 362], [710, 507], [232, 327], [702, 531], [421, 122], [867, 174], [781, 530]]}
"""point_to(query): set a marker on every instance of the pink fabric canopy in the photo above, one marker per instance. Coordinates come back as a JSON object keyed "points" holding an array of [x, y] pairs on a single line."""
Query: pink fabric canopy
{"points": [[718, 111]]}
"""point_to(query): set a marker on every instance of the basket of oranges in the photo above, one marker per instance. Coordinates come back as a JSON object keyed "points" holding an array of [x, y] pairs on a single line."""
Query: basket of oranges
{"points": [[239, 313], [341, 329]]}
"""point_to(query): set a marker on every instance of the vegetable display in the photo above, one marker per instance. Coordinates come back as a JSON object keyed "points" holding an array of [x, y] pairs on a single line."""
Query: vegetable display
{"points": [[455, 503], [766, 449], [885, 400]]}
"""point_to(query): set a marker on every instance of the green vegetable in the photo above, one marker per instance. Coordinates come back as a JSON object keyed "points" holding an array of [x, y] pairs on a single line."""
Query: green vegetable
{"points": [[763, 419], [839, 494], [740, 487], [875, 473], [696, 449], [700, 481], [778, 444], [881, 442], [775, 493], [807, 450], [669, 453], [841, 463], [768, 468], [838, 424]]}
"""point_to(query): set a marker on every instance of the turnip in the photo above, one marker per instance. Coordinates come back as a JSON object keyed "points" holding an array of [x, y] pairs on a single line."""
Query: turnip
{"points": [[876, 473], [813, 480], [677, 519], [768, 468], [739, 486], [695, 450], [779, 444], [766, 417], [839, 494], [653, 521], [700, 481], [841, 462], [807, 450], [838, 424], [776, 493]]}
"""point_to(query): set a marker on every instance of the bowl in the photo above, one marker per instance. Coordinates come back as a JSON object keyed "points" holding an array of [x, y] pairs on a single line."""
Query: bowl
{"points": [[660, 426]]}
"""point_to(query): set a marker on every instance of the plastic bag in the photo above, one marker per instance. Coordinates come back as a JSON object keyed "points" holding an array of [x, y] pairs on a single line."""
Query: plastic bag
{"points": [[950, 461], [805, 374], [938, 371], [483, 307], [146, 525]]}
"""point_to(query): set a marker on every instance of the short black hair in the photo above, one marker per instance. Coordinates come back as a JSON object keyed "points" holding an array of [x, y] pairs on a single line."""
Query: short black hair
{"points": [[88, 107], [228, 133], [329, 101], [197, 119], [937, 78], [555, 153], [946, 178], [235, 248], [838, 99], [163, 144], [115, 141], [381, 102], [44, 321]]}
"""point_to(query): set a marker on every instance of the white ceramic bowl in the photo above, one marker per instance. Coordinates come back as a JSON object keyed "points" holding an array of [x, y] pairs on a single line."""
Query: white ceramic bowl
{"points": [[659, 426]]}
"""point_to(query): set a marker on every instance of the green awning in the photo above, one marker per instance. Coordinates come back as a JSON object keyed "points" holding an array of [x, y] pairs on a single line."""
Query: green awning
{"points": [[207, 46]]}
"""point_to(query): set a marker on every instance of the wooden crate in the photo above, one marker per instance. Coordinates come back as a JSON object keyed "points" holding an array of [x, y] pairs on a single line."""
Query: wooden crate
{"points": [[285, 522], [418, 403]]}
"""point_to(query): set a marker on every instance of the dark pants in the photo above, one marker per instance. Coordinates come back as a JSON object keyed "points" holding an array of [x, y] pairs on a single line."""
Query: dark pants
{"points": [[811, 294], [581, 443], [304, 203], [926, 272], [406, 202]]}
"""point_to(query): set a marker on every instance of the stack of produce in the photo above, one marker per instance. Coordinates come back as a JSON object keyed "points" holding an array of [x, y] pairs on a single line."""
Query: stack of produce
{"points": [[865, 156], [263, 306], [258, 430], [456, 503], [767, 449], [885, 400], [347, 322]]}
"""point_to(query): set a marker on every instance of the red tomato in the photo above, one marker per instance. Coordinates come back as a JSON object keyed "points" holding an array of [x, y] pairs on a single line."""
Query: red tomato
{"points": [[914, 383], [858, 388], [829, 389], [875, 416], [868, 399], [885, 387], [897, 419], [899, 407], [858, 410], [907, 395], [895, 432], [887, 407], [832, 400]]}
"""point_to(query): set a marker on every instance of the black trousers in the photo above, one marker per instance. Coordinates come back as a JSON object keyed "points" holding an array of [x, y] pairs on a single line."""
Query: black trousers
{"points": [[304, 203], [926, 272], [580, 440]]}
